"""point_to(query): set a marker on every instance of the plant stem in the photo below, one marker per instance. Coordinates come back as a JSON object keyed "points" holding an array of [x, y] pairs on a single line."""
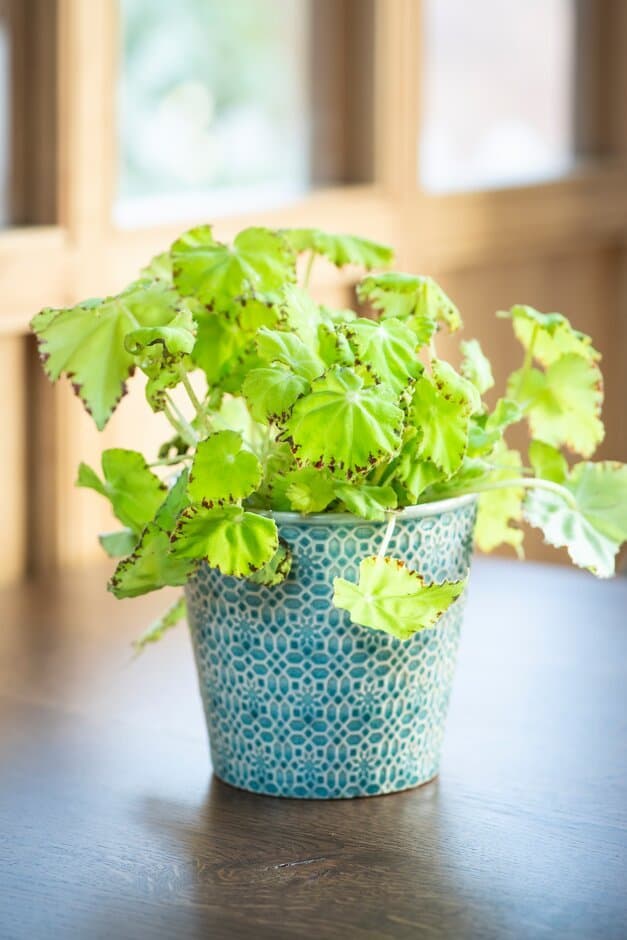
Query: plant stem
{"points": [[200, 411], [170, 461], [179, 422], [387, 536], [522, 483], [527, 363], [309, 268]]}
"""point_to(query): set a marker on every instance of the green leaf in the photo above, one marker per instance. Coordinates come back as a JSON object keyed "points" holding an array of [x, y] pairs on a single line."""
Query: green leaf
{"points": [[223, 351], [441, 409], [340, 249], [476, 366], [163, 376], [118, 544], [151, 566], [159, 268], [343, 425], [222, 471], [258, 263], [547, 462], [172, 616], [290, 350], [387, 349], [175, 338], [551, 334], [500, 510], [271, 392], [592, 523], [256, 312], [133, 490], [87, 342], [417, 300], [563, 404], [394, 599], [309, 489], [486, 430], [277, 569], [303, 315], [228, 538], [415, 473], [367, 500], [175, 502]]}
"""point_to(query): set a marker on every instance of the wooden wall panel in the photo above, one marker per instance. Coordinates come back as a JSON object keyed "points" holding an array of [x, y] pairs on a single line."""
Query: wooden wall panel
{"points": [[13, 458]]}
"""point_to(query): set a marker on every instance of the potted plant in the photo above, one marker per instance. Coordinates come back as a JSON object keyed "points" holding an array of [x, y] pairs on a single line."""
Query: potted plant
{"points": [[319, 494]]}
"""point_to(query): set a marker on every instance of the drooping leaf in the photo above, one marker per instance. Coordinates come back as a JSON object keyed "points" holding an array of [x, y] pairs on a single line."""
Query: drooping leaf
{"points": [[290, 350], [417, 300], [222, 471], [563, 404], [309, 489], [271, 392], [501, 509], [258, 264], [172, 616], [340, 249], [547, 462], [175, 502], [392, 598], [133, 490], [476, 366], [227, 537], [344, 425], [87, 342], [277, 569], [118, 544], [589, 519], [441, 409], [387, 349], [551, 334], [151, 566], [164, 375], [367, 500]]}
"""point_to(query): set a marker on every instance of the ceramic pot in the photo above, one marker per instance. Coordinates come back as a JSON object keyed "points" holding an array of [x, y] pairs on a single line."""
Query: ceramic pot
{"points": [[302, 703]]}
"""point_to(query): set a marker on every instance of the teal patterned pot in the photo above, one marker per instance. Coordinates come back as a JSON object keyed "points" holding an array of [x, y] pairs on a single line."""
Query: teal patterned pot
{"points": [[302, 703]]}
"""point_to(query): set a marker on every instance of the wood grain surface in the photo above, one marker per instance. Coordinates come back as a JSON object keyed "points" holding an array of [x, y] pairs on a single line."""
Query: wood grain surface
{"points": [[112, 827]]}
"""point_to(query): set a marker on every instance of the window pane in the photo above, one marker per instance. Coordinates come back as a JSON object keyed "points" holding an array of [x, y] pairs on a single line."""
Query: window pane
{"points": [[498, 88], [214, 106], [27, 112]]}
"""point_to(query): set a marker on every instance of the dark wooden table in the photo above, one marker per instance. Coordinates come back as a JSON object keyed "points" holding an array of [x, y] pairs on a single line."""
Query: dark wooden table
{"points": [[112, 827]]}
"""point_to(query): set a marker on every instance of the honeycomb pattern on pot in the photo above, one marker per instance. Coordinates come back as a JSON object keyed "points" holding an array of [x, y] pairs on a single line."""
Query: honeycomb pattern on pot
{"points": [[302, 703]]}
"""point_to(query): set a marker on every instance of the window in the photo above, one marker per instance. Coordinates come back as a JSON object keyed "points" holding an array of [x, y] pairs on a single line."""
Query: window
{"points": [[213, 107], [498, 92]]}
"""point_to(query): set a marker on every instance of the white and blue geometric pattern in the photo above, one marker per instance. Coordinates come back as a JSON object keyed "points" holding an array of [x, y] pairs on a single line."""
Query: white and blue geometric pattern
{"points": [[302, 703]]}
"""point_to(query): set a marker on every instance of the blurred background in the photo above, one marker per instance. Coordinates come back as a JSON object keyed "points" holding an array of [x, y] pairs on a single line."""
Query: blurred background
{"points": [[486, 141]]}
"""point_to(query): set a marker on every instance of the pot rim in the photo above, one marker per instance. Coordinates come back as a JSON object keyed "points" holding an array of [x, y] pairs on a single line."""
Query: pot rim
{"points": [[418, 511]]}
